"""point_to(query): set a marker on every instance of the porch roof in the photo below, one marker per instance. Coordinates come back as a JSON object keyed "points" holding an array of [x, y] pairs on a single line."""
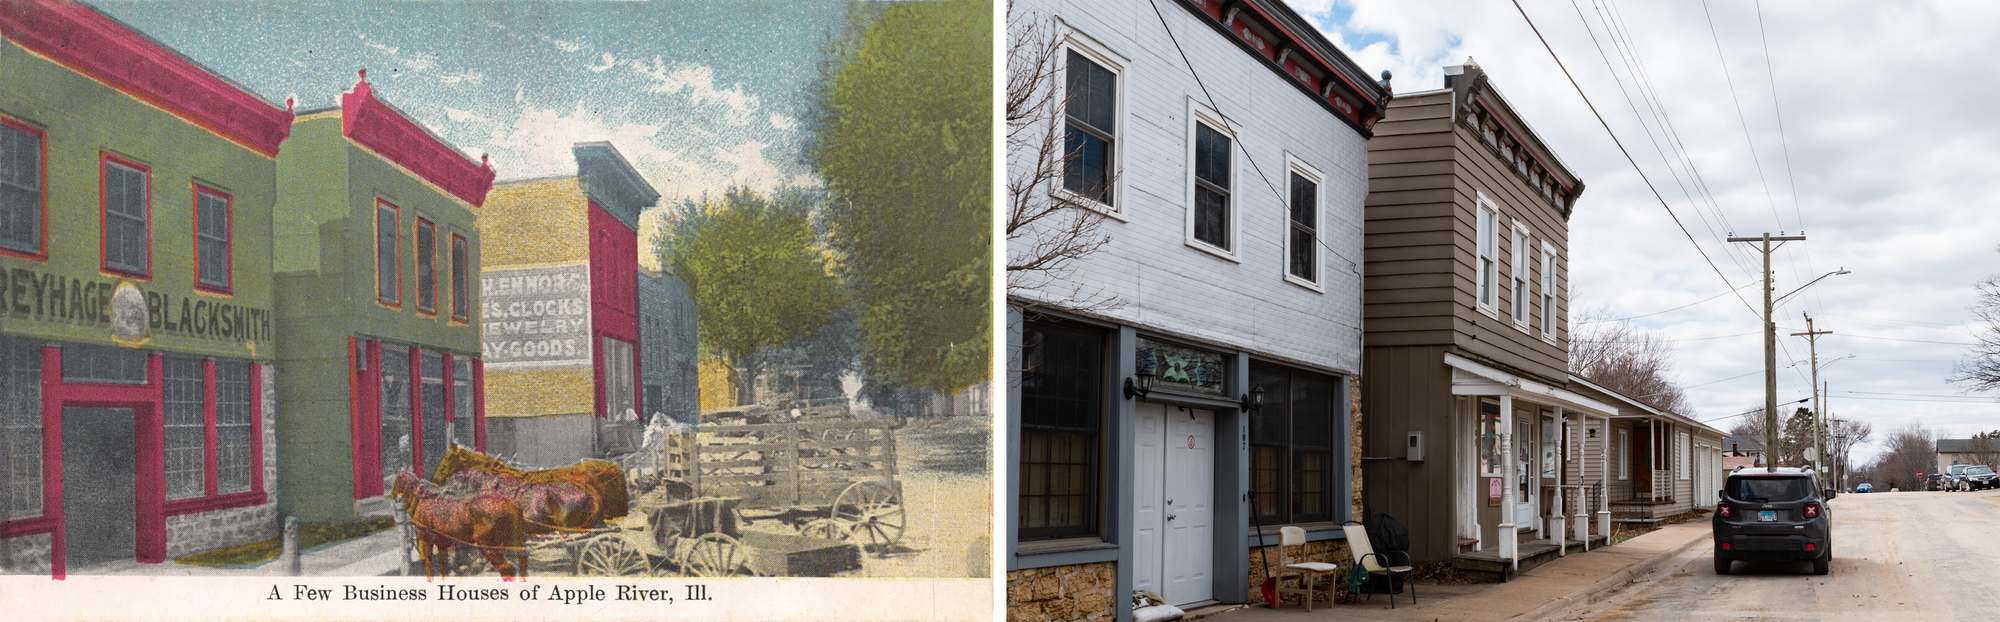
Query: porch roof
{"points": [[1632, 408], [1474, 378]]}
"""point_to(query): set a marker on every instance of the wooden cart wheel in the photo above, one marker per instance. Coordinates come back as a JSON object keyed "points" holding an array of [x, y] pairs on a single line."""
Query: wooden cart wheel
{"points": [[713, 555], [611, 557], [828, 529], [875, 508]]}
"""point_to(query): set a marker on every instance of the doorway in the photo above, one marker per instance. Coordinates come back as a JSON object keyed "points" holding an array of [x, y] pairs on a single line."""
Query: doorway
{"points": [[1527, 473], [1173, 505], [100, 496]]}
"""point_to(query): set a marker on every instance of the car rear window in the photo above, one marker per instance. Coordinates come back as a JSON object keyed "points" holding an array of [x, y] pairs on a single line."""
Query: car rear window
{"points": [[1769, 489], [1979, 470]]}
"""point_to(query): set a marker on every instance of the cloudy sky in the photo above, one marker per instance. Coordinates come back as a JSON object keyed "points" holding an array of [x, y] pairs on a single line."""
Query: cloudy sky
{"points": [[1886, 161], [699, 96]]}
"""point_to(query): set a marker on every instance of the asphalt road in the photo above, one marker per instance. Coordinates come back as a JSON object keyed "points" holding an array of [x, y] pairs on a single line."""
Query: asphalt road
{"points": [[1897, 556]]}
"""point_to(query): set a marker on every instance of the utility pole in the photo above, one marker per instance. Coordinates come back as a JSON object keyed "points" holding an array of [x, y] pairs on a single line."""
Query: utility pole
{"points": [[1819, 409], [1770, 351]]}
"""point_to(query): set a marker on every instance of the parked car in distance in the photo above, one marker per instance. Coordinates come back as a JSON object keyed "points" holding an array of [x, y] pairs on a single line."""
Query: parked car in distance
{"points": [[1937, 481], [1773, 516], [1951, 476], [1978, 477], [1895, 489], [1865, 488]]}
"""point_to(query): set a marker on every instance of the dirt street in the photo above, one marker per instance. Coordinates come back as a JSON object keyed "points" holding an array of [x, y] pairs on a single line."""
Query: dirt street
{"points": [[947, 501], [1897, 556]]}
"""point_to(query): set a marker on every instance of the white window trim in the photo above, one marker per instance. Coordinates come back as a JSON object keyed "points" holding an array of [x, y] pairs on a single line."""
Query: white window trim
{"points": [[1076, 40], [1686, 453], [1489, 308], [1549, 303], [1201, 113], [1624, 455], [1294, 165], [1520, 245]]}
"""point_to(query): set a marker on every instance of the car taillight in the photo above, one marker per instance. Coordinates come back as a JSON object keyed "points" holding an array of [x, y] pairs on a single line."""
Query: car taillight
{"points": [[1723, 509], [1812, 510]]}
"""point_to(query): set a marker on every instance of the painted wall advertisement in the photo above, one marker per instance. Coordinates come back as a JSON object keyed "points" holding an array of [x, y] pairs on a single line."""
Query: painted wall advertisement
{"points": [[537, 317]]}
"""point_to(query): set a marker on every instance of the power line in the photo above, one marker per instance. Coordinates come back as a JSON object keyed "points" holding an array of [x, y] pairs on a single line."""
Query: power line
{"points": [[1969, 397], [1784, 144], [1948, 343], [1660, 312], [1628, 155], [1744, 121]]}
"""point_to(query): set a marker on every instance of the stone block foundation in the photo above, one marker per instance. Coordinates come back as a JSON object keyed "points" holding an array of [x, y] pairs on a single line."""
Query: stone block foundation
{"points": [[1062, 593]]}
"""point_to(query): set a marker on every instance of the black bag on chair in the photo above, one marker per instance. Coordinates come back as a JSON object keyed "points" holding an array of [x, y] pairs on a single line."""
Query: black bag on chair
{"points": [[1385, 534]]}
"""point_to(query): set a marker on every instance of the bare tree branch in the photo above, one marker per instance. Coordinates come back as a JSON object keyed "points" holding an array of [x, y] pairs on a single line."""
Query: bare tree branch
{"points": [[1049, 229], [1980, 371], [1626, 359]]}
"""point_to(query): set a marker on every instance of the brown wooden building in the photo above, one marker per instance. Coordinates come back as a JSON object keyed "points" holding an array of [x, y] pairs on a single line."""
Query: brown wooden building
{"points": [[1466, 335]]}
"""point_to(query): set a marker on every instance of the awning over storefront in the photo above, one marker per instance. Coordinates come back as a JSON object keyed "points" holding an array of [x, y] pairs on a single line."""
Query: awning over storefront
{"points": [[1472, 378]]}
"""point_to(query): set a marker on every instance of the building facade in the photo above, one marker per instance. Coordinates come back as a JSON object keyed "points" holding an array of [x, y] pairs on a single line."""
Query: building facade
{"points": [[378, 302], [1231, 181], [1467, 332], [562, 314], [669, 367], [136, 298]]}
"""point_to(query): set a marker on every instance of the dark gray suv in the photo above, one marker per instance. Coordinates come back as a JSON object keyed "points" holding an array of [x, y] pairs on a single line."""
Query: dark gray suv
{"points": [[1767, 515]]}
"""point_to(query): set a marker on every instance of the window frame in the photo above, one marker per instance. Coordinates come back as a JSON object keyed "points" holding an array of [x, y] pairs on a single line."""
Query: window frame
{"points": [[1200, 114], [461, 278], [1296, 166], [1094, 438], [1549, 303], [1519, 266], [1288, 466], [105, 160], [41, 252], [395, 301], [1624, 454], [421, 230], [1074, 40], [212, 496], [228, 285], [1486, 256]]}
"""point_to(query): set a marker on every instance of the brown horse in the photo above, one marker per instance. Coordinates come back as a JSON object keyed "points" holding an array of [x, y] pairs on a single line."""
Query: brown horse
{"points": [[557, 506], [487, 521]]}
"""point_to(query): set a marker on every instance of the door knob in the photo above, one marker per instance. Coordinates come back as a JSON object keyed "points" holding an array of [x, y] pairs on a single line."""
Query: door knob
{"points": [[1170, 517], [1170, 500]]}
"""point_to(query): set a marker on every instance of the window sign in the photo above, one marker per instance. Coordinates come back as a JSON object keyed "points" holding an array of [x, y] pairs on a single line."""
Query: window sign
{"points": [[1182, 369], [1489, 438], [1548, 446]]}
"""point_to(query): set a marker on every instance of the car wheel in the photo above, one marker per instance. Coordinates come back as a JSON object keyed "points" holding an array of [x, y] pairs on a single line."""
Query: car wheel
{"points": [[1722, 565], [1824, 563]]}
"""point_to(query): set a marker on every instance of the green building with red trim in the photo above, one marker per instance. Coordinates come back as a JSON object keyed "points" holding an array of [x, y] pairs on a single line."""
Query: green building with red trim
{"points": [[378, 301]]}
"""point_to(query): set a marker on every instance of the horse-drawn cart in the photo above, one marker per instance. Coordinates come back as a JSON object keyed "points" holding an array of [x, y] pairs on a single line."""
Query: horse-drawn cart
{"points": [[820, 471]]}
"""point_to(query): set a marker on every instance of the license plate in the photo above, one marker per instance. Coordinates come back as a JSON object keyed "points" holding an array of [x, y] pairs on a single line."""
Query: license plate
{"points": [[1767, 516]]}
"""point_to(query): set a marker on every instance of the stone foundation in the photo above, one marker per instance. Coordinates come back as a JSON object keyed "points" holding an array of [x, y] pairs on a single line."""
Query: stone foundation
{"points": [[1354, 442], [1327, 551], [26, 555], [1062, 593]]}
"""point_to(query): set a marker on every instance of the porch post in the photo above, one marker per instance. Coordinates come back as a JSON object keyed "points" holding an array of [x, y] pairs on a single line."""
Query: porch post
{"points": [[1509, 546], [1556, 509], [1581, 523], [1604, 475]]}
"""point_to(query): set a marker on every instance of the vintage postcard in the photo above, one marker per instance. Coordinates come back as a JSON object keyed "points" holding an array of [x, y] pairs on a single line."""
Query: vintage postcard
{"points": [[487, 309]]}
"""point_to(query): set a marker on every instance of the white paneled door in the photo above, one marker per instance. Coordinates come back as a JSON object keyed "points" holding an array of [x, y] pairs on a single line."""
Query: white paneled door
{"points": [[1174, 503]]}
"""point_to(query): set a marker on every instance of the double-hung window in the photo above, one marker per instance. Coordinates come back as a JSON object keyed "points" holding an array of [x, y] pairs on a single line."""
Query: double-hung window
{"points": [[1302, 235], [1292, 441], [1520, 264], [426, 266], [1090, 129], [201, 423], [388, 254], [23, 170], [1062, 409], [1212, 220], [461, 279], [21, 429], [212, 261], [1548, 291], [1488, 243], [127, 198]]}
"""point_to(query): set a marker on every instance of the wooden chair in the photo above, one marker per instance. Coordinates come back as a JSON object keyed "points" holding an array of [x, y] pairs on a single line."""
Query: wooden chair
{"points": [[1365, 558], [1308, 573]]}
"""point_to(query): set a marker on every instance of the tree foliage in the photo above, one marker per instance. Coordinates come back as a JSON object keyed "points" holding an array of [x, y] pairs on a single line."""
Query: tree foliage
{"points": [[904, 144], [755, 271]]}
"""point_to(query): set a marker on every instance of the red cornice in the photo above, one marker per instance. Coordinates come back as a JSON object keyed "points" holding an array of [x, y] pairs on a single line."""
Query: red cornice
{"points": [[374, 124], [95, 45]]}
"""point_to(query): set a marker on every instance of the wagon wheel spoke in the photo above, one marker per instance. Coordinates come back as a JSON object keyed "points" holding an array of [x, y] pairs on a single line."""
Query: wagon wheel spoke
{"points": [[713, 555], [828, 529], [875, 508], [612, 557]]}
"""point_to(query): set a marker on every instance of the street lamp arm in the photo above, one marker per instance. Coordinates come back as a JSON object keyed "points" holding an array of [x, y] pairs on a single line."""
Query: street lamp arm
{"points": [[1782, 298]]}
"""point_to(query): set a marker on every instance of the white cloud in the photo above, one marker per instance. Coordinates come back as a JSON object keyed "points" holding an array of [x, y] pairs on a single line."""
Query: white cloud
{"points": [[783, 122], [420, 62], [566, 46], [698, 82], [469, 77], [461, 115], [381, 47], [609, 62]]}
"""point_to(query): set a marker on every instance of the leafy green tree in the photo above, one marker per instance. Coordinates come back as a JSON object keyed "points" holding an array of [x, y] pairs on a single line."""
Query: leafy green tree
{"points": [[755, 271], [904, 142]]}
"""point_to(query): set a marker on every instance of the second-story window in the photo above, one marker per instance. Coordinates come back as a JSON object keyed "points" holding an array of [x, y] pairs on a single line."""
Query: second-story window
{"points": [[426, 266], [1211, 186], [128, 244], [1302, 256], [1548, 292], [1090, 129], [21, 197], [461, 278], [211, 239], [1520, 260], [388, 254], [1488, 248]]}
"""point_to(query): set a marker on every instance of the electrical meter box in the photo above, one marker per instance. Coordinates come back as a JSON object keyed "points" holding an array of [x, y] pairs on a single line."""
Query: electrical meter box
{"points": [[1416, 447]]}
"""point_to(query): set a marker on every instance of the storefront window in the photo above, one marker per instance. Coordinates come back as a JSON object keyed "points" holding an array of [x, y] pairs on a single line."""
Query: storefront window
{"points": [[1489, 438], [232, 426], [21, 428], [461, 402], [397, 441], [1062, 406], [186, 434], [436, 437], [1292, 441]]}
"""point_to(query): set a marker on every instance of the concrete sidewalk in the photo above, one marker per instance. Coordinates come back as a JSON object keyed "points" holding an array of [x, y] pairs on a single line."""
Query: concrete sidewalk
{"points": [[1552, 590], [372, 555]]}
